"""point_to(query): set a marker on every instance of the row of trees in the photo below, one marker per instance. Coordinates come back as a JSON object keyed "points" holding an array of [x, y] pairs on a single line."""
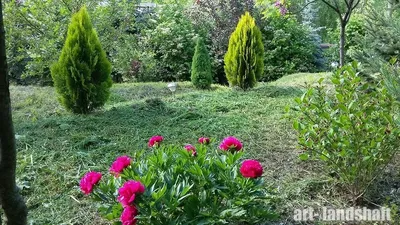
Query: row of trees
{"points": [[154, 44], [157, 44]]}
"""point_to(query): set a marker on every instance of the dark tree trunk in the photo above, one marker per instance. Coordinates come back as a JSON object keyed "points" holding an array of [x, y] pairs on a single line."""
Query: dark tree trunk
{"points": [[12, 203], [342, 50]]}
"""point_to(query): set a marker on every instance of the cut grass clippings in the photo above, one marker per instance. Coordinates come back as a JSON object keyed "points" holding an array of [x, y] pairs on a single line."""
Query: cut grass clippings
{"points": [[55, 147]]}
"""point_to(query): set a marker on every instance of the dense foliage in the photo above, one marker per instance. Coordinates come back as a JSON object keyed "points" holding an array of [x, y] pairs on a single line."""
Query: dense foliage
{"points": [[82, 74], [244, 59], [171, 42], [194, 185], [215, 20], [380, 43], [351, 129], [155, 41], [289, 47], [201, 66], [36, 32]]}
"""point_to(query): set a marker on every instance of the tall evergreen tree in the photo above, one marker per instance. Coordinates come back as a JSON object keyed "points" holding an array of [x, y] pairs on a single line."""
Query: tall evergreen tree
{"points": [[82, 74], [244, 60], [201, 66]]}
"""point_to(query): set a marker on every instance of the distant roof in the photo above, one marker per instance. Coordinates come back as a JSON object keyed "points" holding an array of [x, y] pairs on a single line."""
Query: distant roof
{"points": [[326, 45]]}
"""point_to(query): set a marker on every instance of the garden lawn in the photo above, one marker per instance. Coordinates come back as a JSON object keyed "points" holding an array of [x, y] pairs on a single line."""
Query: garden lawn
{"points": [[55, 148]]}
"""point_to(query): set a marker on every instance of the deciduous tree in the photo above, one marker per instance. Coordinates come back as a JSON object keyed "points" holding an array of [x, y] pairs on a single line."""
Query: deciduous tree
{"points": [[10, 199]]}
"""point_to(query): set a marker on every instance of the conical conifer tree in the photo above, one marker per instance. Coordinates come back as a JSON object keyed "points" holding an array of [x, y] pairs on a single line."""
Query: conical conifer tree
{"points": [[244, 62], [82, 74], [201, 66]]}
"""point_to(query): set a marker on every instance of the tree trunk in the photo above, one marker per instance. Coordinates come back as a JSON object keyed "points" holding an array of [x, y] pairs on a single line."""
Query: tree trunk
{"points": [[342, 50], [12, 203]]}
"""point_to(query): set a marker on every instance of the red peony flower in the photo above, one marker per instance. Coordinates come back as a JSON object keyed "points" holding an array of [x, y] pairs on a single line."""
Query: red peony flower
{"points": [[128, 192], [191, 149], [128, 215], [155, 141], [231, 144], [88, 181], [204, 140], [120, 164], [251, 169]]}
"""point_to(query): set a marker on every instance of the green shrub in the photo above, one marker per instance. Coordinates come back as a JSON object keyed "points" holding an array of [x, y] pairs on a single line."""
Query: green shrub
{"points": [[201, 66], [183, 185], [244, 59], [170, 40], [82, 74], [352, 129], [289, 47]]}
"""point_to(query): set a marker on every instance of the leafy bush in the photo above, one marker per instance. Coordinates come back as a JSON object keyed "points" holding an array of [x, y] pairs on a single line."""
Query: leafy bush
{"points": [[201, 66], [244, 59], [82, 74], [351, 129], [289, 47], [171, 41], [183, 185]]}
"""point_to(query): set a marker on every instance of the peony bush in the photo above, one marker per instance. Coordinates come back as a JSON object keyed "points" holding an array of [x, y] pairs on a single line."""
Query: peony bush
{"points": [[190, 184]]}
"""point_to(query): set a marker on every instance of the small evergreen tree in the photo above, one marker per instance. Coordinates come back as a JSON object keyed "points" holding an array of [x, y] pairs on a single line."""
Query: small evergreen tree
{"points": [[201, 66], [244, 60], [82, 74]]}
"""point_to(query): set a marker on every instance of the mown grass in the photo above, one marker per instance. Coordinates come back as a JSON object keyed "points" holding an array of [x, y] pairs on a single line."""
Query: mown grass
{"points": [[55, 148]]}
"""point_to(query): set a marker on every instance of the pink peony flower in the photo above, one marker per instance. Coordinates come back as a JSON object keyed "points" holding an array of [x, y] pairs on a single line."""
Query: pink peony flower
{"points": [[120, 164], [251, 169], [128, 215], [231, 144], [155, 141], [128, 192], [191, 149], [204, 140], [88, 181]]}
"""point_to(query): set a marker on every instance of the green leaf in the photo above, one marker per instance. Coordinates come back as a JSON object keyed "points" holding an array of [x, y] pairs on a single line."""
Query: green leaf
{"points": [[296, 124], [304, 156]]}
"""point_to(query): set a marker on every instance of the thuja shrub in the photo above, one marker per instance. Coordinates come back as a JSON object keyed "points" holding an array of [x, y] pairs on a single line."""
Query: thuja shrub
{"points": [[201, 66], [191, 184], [82, 74], [244, 60], [350, 127]]}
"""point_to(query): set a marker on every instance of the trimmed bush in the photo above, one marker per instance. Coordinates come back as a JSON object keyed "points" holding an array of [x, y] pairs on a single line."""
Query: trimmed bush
{"points": [[82, 74], [201, 66], [244, 60]]}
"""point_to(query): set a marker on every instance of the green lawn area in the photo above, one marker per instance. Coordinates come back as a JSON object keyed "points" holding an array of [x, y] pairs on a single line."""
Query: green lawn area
{"points": [[55, 148]]}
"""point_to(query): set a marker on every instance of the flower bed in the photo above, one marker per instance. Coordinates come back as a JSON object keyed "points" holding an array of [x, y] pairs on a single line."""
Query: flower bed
{"points": [[193, 184]]}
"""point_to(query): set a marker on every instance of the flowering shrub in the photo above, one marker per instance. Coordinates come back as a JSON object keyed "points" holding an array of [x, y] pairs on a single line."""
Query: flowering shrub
{"points": [[185, 185]]}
